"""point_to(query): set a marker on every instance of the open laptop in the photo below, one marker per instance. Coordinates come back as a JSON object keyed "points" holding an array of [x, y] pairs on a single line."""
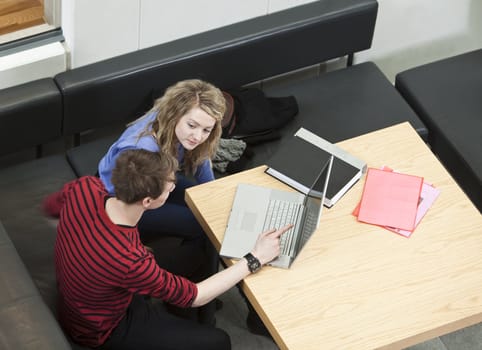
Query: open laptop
{"points": [[257, 209]]}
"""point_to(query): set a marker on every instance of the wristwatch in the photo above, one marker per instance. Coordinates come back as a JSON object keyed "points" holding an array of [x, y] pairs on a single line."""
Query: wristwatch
{"points": [[253, 263]]}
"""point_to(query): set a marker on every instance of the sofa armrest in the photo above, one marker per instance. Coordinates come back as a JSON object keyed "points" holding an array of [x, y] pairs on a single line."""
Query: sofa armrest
{"points": [[25, 320], [30, 115]]}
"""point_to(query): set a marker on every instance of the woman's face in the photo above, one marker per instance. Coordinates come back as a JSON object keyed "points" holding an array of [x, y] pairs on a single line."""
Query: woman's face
{"points": [[194, 128]]}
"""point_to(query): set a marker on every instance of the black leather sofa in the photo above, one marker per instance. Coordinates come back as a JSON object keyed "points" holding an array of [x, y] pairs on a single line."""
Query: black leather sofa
{"points": [[447, 96], [30, 116], [91, 104], [25, 320]]}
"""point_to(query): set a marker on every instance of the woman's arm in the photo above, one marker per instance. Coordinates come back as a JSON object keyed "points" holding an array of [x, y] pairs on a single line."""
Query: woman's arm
{"points": [[204, 172], [266, 249]]}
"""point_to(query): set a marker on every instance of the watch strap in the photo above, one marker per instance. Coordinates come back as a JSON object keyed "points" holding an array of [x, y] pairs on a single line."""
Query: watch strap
{"points": [[253, 263]]}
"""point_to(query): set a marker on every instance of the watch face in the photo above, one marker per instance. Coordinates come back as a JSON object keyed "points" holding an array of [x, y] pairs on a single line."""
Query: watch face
{"points": [[253, 263]]}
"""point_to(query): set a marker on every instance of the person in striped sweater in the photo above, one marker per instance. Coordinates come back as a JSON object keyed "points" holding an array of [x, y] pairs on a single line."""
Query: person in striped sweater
{"points": [[110, 284]]}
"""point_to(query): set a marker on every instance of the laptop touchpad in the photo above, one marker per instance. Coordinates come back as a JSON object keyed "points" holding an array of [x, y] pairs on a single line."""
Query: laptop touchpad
{"points": [[248, 222]]}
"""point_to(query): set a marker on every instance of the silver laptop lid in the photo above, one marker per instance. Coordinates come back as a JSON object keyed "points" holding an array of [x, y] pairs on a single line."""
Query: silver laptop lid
{"points": [[313, 207]]}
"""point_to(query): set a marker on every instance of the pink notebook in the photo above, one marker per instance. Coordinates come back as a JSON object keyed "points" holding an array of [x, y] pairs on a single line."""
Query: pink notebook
{"points": [[390, 199]]}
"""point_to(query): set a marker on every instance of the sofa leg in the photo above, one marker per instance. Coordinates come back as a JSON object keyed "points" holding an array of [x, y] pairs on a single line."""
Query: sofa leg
{"points": [[349, 61]]}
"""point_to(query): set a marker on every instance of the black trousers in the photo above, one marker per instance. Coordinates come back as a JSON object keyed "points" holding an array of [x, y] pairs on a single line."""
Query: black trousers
{"points": [[147, 325], [194, 257]]}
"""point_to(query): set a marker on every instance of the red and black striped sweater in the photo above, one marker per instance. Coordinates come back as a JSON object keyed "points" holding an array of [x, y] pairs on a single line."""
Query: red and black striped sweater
{"points": [[101, 265]]}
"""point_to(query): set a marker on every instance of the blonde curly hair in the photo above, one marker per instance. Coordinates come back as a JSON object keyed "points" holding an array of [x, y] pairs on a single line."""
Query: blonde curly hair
{"points": [[177, 101]]}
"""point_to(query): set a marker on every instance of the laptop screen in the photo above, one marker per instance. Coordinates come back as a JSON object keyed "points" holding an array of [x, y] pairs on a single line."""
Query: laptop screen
{"points": [[323, 179], [313, 203]]}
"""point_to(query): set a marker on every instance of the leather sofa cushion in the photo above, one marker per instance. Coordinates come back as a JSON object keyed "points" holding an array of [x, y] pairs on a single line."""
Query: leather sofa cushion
{"points": [[23, 188], [341, 104], [447, 97], [338, 105], [25, 320]]}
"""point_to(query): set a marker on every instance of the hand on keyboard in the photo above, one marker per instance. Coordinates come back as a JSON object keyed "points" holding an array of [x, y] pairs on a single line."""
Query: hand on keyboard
{"points": [[267, 246]]}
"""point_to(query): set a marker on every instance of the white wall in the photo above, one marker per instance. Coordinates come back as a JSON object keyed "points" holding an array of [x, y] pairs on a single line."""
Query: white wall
{"points": [[408, 32], [187, 17], [96, 30], [158, 25], [413, 32], [117, 27]]}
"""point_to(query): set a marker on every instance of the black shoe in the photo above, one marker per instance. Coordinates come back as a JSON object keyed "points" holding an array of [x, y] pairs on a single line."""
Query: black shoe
{"points": [[255, 325]]}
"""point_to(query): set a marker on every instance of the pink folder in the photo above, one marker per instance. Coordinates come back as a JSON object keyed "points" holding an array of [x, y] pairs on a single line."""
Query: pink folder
{"points": [[390, 199], [427, 198]]}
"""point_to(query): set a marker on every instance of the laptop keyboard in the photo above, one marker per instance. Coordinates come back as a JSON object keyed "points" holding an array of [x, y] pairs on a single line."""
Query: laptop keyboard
{"points": [[281, 213]]}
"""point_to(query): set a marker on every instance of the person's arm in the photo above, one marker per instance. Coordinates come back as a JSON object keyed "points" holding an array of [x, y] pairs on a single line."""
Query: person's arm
{"points": [[204, 172], [266, 249], [145, 277], [128, 140], [53, 203]]}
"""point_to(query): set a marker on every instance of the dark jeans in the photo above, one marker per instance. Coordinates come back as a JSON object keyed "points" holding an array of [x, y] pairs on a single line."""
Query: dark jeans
{"points": [[194, 257], [148, 326], [173, 219]]}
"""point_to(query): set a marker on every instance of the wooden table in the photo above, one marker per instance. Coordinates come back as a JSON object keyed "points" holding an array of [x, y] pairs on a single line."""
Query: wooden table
{"points": [[359, 286]]}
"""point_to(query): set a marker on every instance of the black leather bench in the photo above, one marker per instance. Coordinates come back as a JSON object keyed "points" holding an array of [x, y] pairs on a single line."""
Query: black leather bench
{"points": [[447, 96], [25, 320], [30, 116]]}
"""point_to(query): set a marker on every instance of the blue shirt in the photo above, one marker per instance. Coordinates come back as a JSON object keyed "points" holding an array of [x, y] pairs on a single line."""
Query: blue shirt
{"points": [[130, 140]]}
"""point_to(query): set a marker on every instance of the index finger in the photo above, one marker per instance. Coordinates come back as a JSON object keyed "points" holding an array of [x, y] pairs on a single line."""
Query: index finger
{"points": [[282, 230]]}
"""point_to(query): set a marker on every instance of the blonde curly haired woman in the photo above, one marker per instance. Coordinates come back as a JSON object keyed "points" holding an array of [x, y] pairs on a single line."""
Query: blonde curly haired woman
{"points": [[185, 123]]}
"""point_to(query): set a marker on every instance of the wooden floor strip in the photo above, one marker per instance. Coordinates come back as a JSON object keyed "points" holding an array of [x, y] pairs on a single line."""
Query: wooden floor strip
{"points": [[16, 15]]}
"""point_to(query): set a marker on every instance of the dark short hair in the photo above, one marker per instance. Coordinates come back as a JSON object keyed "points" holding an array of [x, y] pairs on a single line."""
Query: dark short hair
{"points": [[139, 174]]}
